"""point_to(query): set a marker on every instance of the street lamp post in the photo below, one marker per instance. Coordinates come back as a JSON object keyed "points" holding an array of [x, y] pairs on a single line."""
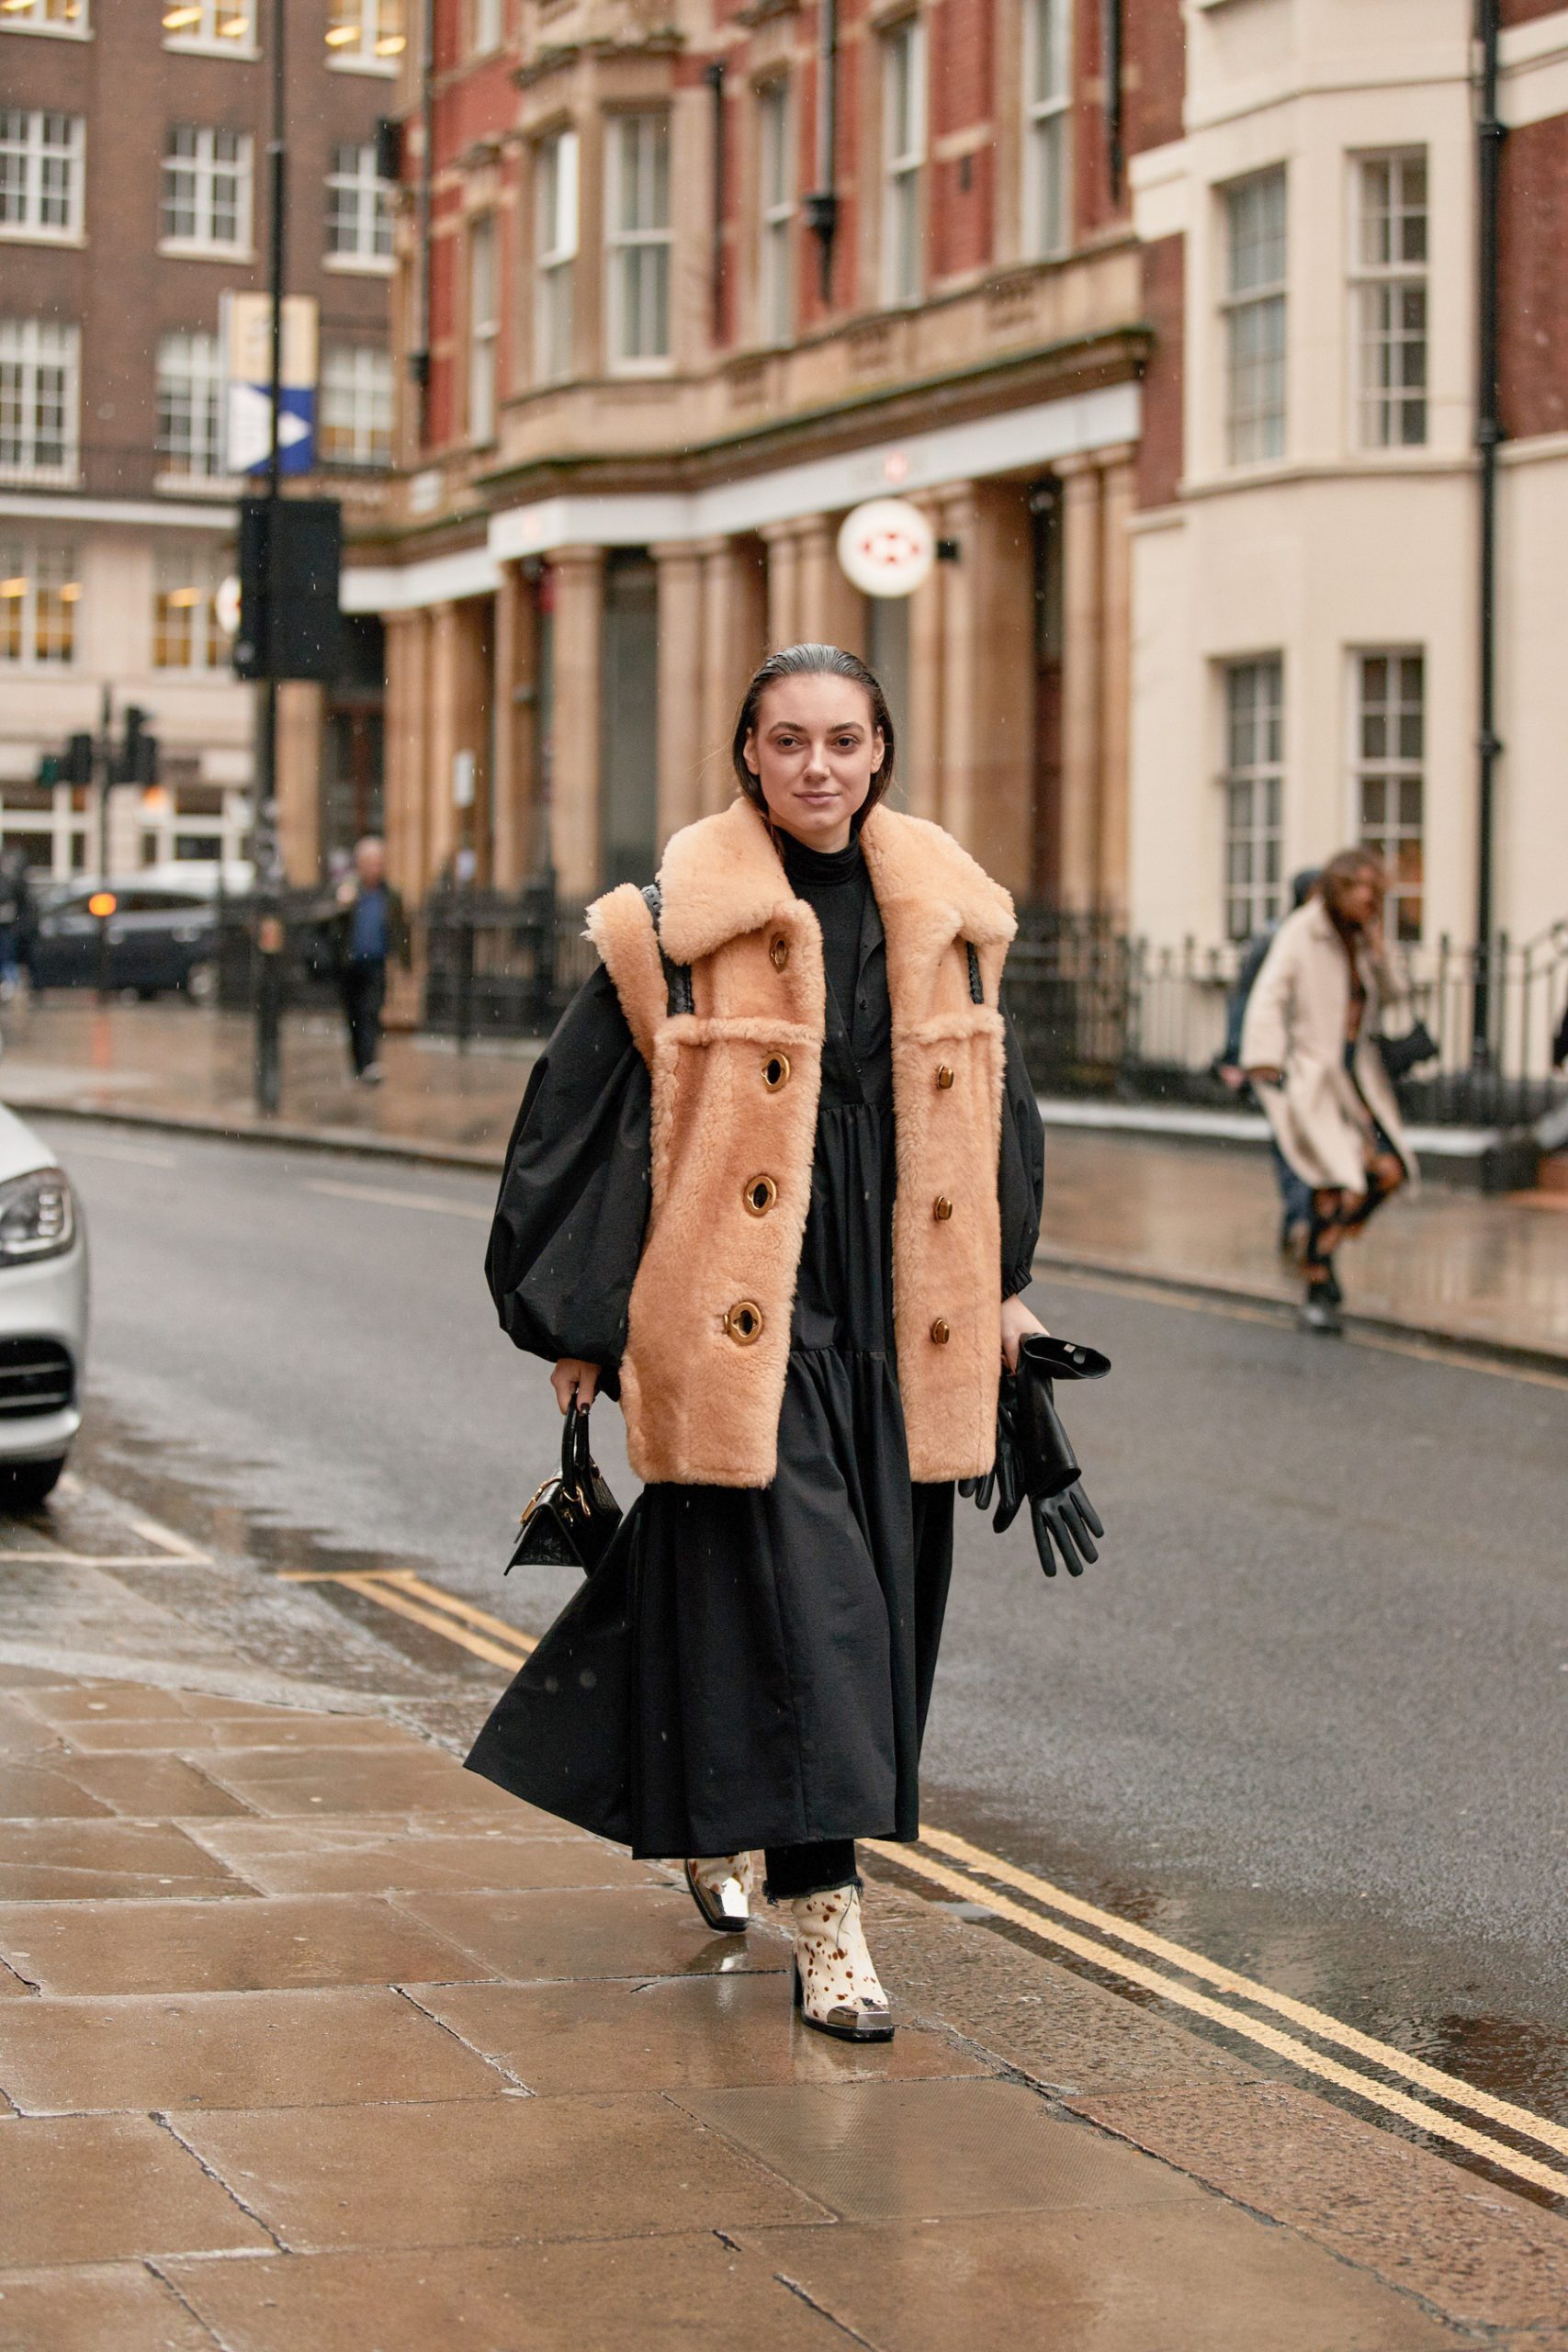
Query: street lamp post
{"points": [[1488, 436], [269, 922]]}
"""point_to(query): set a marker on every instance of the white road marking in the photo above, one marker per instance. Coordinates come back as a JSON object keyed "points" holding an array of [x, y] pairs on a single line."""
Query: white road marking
{"points": [[390, 1200]]}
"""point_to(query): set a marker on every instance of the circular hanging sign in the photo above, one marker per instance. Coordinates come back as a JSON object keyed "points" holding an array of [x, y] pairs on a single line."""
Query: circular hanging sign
{"points": [[885, 548]]}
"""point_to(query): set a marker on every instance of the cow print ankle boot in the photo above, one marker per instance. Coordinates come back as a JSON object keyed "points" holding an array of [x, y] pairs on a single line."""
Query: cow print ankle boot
{"points": [[720, 1886], [835, 1986]]}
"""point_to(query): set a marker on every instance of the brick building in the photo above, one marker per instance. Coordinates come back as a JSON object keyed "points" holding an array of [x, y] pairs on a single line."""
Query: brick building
{"points": [[1305, 551], [698, 278], [132, 197]]}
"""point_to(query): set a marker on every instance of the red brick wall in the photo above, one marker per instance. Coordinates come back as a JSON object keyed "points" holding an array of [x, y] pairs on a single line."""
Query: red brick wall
{"points": [[1155, 81], [1159, 450], [1533, 264], [1519, 12]]}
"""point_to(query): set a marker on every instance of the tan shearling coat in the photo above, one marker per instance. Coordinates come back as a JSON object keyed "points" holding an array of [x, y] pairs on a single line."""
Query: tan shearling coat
{"points": [[1295, 1022], [735, 1088]]}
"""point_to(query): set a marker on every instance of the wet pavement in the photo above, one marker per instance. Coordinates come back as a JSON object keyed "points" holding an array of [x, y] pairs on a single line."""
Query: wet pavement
{"points": [[1493, 1272], [311, 2040]]}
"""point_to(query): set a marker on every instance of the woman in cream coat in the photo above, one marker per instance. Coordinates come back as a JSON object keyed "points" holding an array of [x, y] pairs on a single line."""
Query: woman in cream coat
{"points": [[1309, 1046]]}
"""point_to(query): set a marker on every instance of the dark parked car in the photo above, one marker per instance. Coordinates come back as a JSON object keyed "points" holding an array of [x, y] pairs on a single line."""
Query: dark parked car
{"points": [[127, 935]]}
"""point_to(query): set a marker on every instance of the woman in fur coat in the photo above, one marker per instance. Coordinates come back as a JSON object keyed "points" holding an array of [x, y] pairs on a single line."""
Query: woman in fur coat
{"points": [[776, 1184], [1309, 1044]]}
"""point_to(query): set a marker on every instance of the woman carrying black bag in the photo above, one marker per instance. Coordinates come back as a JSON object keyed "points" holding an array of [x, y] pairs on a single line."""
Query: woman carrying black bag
{"points": [[785, 1106]]}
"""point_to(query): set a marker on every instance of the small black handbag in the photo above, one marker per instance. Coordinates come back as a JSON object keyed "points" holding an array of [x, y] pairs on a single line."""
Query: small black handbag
{"points": [[1401, 1055], [567, 1521]]}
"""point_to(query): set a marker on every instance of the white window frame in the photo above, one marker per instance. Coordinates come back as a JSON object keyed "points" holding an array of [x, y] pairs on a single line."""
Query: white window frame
{"points": [[205, 167], [357, 400], [185, 577], [903, 164], [211, 27], [639, 255], [1393, 775], [1048, 126], [40, 589], [1255, 315], [367, 213], [366, 36], [484, 328], [557, 228], [59, 19], [775, 212], [24, 136], [1252, 777], [30, 350], [192, 383], [487, 26], [1384, 340]]}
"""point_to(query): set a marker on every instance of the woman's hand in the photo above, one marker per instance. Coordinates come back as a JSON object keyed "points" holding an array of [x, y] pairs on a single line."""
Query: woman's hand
{"points": [[1018, 1322], [573, 1376]]}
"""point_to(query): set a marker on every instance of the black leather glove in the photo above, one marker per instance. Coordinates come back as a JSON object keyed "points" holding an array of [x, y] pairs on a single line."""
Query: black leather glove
{"points": [[1034, 1455]]}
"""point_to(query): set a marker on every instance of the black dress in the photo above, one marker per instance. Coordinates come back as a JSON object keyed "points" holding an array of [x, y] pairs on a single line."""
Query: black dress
{"points": [[748, 1667]]}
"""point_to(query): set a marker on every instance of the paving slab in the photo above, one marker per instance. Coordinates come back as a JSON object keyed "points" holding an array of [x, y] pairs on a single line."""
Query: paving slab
{"points": [[23, 1738], [182, 1735], [1197, 2277], [47, 1793], [330, 2047], [1478, 2253], [267, 1944], [591, 1933], [46, 1860], [102, 2187], [340, 1855], [140, 1785], [412, 1780], [97, 2307], [674, 2294], [875, 2151], [71, 1702], [487, 2172], [694, 2032]]}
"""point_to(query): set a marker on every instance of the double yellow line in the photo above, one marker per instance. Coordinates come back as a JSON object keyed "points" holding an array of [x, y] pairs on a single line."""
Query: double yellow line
{"points": [[1115, 1946]]}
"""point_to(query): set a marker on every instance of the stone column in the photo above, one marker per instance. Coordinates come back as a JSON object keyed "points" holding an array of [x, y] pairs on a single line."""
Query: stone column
{"points": [[987, 645], [734, 629], [300, 707], [782, 543], [446, 700], [920, 756], [1119, 498], [1083, 679], [681, 667], [406, 755], [828, 611], [511, 659], [578, 661]]}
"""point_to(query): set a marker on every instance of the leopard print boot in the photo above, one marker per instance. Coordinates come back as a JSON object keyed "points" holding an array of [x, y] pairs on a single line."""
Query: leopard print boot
{"points": [[835, 1988], [721, 1888]]}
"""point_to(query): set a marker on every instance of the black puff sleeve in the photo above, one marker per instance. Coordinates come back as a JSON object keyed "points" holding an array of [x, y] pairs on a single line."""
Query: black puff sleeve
{"points": [[1022, 1175]]}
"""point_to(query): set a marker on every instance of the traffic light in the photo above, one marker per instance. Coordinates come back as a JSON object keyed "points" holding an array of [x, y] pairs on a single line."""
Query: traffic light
{"points": [[290, 551], [49, 767], [77, 767], [138, 759], [388, 148]]}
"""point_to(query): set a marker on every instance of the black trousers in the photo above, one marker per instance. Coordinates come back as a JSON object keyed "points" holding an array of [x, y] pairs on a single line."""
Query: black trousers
{"points": [[363, 983], [794, 1870]]}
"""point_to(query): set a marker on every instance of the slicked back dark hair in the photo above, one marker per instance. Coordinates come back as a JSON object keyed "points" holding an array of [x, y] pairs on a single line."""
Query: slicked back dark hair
{"points": [[813, 661]]}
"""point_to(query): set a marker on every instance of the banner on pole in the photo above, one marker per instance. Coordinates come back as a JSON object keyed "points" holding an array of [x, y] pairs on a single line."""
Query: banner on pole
{"points": [[247, 344]]}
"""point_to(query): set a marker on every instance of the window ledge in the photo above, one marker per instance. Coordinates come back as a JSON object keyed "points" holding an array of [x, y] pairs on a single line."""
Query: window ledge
{"points": [[191, 249], [176, 47], [50, 32], [383, 68], [222, 487], [12, 235], [361, 265]]}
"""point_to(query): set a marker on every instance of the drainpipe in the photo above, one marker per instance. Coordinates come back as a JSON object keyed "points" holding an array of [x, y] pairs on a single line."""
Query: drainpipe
{"points": [[1115, 46], [419, 358], [1489, 137], [820, 209], [713, 74]]}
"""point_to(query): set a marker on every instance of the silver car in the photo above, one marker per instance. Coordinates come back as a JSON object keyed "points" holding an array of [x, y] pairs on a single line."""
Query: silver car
{"points": [[43, 1316]]}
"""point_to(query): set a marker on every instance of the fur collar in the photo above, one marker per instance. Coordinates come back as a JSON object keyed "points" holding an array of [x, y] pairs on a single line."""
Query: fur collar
{"points": [[722, 877]]}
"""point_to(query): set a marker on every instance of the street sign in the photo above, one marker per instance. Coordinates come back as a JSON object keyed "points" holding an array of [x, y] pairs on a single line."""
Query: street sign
{"points": [[247, 341], [885, 548]]}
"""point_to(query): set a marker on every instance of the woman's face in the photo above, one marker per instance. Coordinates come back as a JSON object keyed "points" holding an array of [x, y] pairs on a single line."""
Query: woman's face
{"points": [[814, 751], [1360, 897]]}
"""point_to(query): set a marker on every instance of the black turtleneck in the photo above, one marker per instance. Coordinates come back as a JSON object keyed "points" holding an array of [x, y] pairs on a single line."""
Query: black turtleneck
{"points": [[833, 882]]}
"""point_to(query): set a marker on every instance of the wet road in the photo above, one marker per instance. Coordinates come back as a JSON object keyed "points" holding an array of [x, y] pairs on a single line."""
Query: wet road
{"points": [[1306, 1717]]}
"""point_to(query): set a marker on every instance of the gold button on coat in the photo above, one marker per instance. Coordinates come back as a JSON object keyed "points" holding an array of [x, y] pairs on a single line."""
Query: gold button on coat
{"points": [[941, 1208], [743, 1322], [759, 1195], [779, 953], [775, 1072], [943, 1075], [940, 1331]]}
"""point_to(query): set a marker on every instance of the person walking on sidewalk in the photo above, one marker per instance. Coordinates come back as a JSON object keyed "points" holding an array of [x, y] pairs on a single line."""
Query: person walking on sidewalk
{"points": [[799, 1020], [367, 927], [1310, 1047], [1296, 1198]]}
